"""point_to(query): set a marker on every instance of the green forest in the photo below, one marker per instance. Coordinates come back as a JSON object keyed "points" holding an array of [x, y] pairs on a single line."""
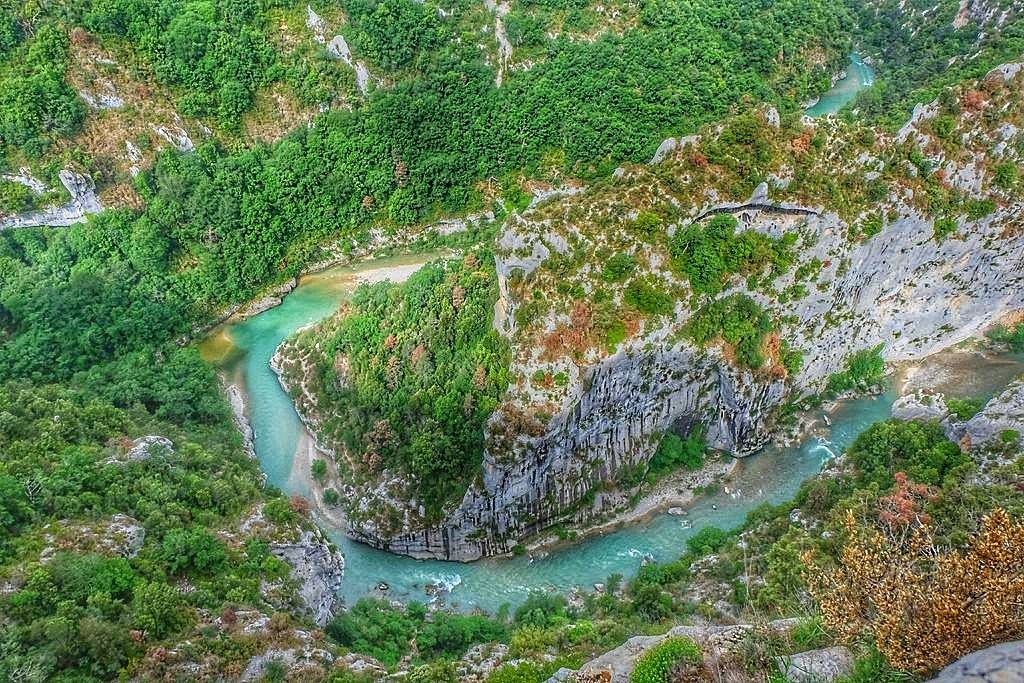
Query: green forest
{"points": [[98, 320], [410, 373]]}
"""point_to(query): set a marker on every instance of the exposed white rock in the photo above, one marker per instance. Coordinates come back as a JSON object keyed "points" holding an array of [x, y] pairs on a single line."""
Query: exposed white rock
{"points": [[500, 10], [176, 137], [921, 113], [670, 145], [1003, 663], [134, 155], [24, 177], [337, 47], [145, 446], [106, 98], [270, 299], [714, 641], [120, 536], [294, 660], [480, 660], [1008, 71], [318, 568], [237, 402], [83, 202]]}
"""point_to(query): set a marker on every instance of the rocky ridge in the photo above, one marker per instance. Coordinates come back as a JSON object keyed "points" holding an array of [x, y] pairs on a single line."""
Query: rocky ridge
{"points": [[904, 290]]}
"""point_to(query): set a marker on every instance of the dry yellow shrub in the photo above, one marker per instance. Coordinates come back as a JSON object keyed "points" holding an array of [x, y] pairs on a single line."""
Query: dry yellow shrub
{"points": [[925, 606]]}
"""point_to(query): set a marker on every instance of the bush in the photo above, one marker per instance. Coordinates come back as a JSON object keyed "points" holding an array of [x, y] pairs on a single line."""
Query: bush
{"points": [[541, 609], [675, 451], [649, 295], [619, 267], [1006, 175], [810, 634], [707, 256], [375, 628], [920, 449], [1013, 337], [706, 541], [739, 321], [659, 663], [944, 227], [979, 208], [964, 408], [450, 635], [864, 368]]}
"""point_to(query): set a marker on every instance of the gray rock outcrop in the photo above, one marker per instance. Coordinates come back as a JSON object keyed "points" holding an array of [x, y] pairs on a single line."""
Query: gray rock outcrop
{"points": [[713, 641], [817, 666], [82, 203], [1002, 663], [1001, 419], [630, 396], [318, 568], [999, 423]]}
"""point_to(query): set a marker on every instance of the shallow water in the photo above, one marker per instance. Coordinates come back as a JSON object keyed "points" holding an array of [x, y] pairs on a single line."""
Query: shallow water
{"points": [[858, 76], [772, 476]]}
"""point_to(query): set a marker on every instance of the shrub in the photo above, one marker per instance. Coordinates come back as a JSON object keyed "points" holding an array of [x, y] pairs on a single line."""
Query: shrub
{"points": [[375, 628], [707, 540], [675, 451], [449, 635], [1013, 337], [319, 469], [810, 633], [739, 321], [920, 449], [944, 227], [1006, 175], [541, 609], [618, 267], [649, 295], [925, 605], [647, 224], [706, 256], [979, 208], [964, 408], [658, 664], [864, 368]]}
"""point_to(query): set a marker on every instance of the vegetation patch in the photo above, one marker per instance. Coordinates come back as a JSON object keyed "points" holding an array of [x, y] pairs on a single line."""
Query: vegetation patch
{"points": [[737, 320], [409, 373], [708, 255], [666, 661]]}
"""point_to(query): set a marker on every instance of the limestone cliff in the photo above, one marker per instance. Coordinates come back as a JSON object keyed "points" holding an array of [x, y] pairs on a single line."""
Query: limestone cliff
{"points": [[903, 242]]}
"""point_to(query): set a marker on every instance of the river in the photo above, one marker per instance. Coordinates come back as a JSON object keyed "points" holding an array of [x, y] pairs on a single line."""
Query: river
{"points": [[243, 352], [858, 76]]}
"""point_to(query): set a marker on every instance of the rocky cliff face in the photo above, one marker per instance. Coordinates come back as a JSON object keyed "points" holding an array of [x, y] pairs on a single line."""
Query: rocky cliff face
{"points": [[897, 284], [318, 568], [631, 397]]}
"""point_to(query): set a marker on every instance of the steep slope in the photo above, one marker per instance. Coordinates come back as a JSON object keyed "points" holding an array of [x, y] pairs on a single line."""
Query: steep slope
{"points": [[857, 243]]}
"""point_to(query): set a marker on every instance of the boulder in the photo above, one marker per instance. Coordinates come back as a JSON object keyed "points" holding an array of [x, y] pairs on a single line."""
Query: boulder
{"points": [[145, 446], [817, 666], [1000, 418], [1002, 663]]}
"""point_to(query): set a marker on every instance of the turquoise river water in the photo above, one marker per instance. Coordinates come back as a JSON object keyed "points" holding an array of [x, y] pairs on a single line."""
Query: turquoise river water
{"points": [[858, 76], [244, 350]]}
